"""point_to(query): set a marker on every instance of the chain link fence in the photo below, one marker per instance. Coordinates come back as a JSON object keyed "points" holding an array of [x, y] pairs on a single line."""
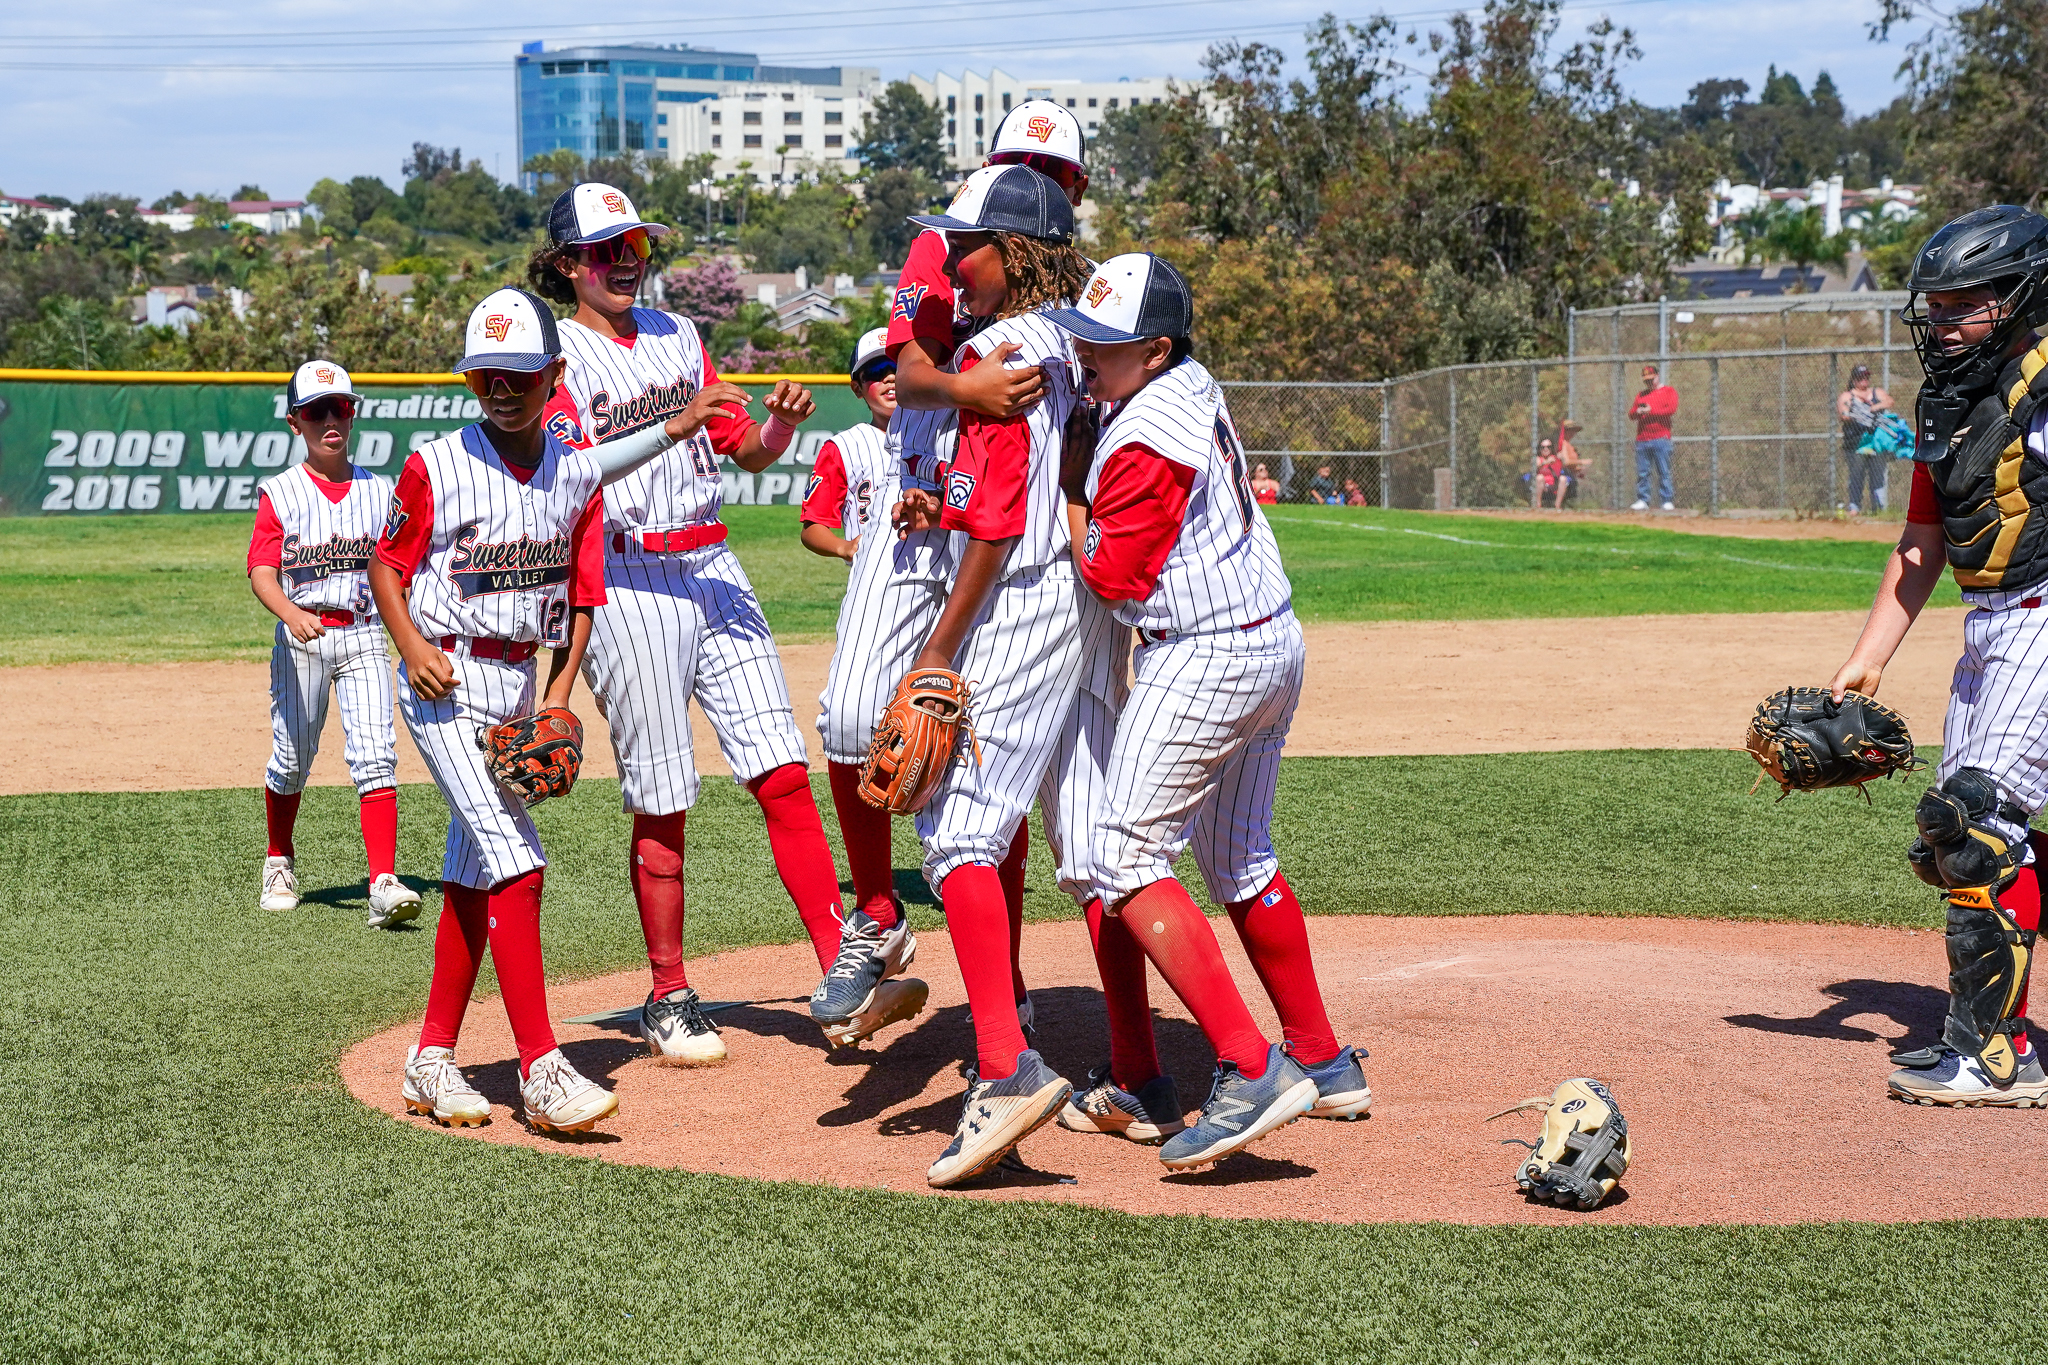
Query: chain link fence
{"points": [[1756, 427]]}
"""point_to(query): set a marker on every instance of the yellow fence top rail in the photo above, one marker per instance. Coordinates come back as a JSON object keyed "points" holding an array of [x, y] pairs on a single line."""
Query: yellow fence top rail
{"points": [[284, 377]]}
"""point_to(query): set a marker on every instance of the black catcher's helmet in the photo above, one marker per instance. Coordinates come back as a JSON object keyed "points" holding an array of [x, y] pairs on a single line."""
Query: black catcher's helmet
{"points": [[2002, 246]]}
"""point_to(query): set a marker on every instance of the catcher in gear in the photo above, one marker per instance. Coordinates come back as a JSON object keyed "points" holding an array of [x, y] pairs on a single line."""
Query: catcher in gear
{"points": [[536, 756], [1582, 1153], [1979, 509], [1806, 738], [916, 738]]}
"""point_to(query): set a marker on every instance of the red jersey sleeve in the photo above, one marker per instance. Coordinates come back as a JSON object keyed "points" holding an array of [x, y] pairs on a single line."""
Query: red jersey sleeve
{"points": [[1140, 498], [586, 567], [986, 487], [923, 304], [825, 499], [1922, 508], [409, 526], [730, 426], [563, 420], [266, 542]]}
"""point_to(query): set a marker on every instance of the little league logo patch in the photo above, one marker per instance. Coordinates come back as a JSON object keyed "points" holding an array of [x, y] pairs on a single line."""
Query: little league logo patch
{"points": [[959, 489], [563, 428], [1040, 127], [904, 309], [1093, 543], [1098, 290], [497, 326]]}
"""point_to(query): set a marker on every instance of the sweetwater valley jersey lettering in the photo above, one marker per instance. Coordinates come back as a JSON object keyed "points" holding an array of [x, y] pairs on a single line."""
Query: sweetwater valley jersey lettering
{"points": [[1223, 569], [500, 556], [983, 494], [856, 465], [325, 546], [612, 389]]}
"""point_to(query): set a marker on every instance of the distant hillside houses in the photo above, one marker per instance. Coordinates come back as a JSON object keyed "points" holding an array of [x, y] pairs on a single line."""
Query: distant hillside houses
{"points": [[266, 215], [12, 209], [1846, 210]]}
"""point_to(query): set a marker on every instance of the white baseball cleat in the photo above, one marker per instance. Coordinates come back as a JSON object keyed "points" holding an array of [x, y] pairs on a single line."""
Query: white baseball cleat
{"points": [[557, 1097], [392, 902], [675, 1028], [1957, 1080], [434, 1086], [280, 885]]}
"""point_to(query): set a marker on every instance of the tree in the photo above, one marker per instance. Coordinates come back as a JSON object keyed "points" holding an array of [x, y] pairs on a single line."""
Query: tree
{"points": [[428, 161], [84, 334], [368, 196], [248, 193], [892, 196], [807, 228], [176, 199], [1128, 152], [210, 212], [706, 292], [902, 133], [1979, 89], [337, 207]]}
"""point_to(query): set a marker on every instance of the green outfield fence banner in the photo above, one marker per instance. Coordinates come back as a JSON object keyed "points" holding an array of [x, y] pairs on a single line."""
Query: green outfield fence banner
{"points": [[98, 444]]}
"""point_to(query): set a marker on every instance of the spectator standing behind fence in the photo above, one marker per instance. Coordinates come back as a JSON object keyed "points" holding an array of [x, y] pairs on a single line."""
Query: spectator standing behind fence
{"points": [[1265, 488], [1859, 407], [1652, 412]]}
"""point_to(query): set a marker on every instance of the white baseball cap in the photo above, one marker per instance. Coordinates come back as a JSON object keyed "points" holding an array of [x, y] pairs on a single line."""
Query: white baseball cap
{"points": [[317, 379], [510, 330], [1130, 298], [1040, 128], [592, 212], [1007, 199], [872, 345]]}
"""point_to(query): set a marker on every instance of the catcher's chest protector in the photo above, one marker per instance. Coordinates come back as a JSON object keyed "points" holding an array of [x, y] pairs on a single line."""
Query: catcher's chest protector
{"points": [[1993, 499]]}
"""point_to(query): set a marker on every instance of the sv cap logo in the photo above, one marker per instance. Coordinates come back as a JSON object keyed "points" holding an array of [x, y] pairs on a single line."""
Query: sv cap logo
{"points": [[614, 202], [497, 326], [1098, 290], [1040, 127], [323, 374]]}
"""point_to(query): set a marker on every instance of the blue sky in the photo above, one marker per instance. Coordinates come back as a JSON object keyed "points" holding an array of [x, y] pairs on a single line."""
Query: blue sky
{"points": [[143, 99]]}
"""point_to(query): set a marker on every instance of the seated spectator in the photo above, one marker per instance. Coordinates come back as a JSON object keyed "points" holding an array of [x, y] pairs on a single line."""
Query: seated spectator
{"points": [[1323, 487], [1265, 488], [1548, 475], [1570, 461], [1354, 496]]}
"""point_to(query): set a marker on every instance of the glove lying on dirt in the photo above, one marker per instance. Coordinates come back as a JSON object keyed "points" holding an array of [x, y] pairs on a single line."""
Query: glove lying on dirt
{"points": [[1806, 740], [536, 756], [915, 740], [1582, 1153]]}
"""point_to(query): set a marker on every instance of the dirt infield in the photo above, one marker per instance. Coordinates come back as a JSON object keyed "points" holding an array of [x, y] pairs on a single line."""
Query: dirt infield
{"points": [[1749, 1058], [1399, 687]]}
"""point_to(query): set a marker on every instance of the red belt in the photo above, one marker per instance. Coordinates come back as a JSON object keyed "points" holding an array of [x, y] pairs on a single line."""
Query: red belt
{"points": [[672, 542], [1154, 637], [2030, 602], [329, 616], [484, 647]]}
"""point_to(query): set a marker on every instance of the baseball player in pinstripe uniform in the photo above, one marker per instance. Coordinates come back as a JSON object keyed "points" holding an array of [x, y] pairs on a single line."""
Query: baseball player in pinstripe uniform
{"points": [[492, 549], [680, 619], [308, 564], [1011, 624], [1176, 541]]}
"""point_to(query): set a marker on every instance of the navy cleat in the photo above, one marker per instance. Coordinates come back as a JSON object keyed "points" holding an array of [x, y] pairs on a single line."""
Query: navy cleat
{"points": [[1150, 1115], [1341, 1091], [1239, 1111]]}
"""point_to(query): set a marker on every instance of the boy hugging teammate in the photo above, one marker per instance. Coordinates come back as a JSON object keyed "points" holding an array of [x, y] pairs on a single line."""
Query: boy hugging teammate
{"points": [[308, 564]]}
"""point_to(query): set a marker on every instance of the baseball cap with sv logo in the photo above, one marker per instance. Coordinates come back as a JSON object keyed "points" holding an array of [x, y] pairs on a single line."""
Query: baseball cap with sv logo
{"points": [[510, 330], [592, 212], [1040, 128], [1130, 298], [317, 379]]}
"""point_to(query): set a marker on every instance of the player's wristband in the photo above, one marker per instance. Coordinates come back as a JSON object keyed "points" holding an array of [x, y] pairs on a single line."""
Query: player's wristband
{"points": [[777, 435], [621, 457]]}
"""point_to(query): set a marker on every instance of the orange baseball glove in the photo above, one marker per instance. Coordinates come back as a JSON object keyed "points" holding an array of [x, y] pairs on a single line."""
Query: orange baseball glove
{"points": [[536, 756], [915, 740]]}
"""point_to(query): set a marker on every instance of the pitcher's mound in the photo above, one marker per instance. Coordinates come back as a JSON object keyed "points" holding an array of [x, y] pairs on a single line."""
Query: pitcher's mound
{"points": [[1750, 1060]]}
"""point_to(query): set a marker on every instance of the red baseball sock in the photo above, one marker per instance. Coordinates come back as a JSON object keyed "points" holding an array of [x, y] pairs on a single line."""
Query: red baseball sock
{"points": [[280, 813], [973, 899], [657, 874], [379, 812], [802, 857], [458, 953], [514, 908], [1011, 874], [1175, 935], [865, 831], [1275, 937], [1133, 1053], [2022, 900]]}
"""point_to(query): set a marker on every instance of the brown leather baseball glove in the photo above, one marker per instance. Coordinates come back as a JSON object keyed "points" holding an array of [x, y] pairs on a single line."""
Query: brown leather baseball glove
{"points": [[536, 756], [915, 740], [1805, 740]]}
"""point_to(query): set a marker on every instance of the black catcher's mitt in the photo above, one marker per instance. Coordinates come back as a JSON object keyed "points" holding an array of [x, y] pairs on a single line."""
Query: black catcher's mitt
{"points": [[1806, 740]]}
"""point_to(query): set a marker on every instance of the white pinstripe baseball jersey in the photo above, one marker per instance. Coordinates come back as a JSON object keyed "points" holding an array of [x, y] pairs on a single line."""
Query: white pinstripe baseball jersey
{"points": [[1223, 569], [617, 388], [1005, 477], [324, 553], [858, 463], [500, 554], [924, 441]]}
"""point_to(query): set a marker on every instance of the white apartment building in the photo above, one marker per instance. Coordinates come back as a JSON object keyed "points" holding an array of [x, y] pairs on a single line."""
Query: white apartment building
{"points": [[973, 104], [775, 131]]}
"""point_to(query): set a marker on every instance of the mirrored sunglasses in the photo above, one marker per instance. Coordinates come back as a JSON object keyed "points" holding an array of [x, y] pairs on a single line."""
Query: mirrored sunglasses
{"points": [[327, 408], [516, 383], [625, 249], [874, 370]]}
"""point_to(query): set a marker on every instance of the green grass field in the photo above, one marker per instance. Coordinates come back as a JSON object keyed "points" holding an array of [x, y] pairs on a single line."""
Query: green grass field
{"points": [[163, 588], [190, 1181]]}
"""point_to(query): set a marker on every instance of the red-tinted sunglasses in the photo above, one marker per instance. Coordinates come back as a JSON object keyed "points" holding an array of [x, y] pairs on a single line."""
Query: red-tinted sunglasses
{"points": [[516, 383], [625, 249], [331, 407]]}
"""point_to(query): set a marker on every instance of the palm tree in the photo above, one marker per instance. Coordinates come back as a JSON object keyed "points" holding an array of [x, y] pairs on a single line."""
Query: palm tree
{"points": [[141, 257]]}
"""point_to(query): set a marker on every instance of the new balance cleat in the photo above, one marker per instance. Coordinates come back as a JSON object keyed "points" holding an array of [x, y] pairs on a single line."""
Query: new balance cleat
{"points": [[557, 1097], [392, 902], [1239, 1111], [434, 1086], [677, 1032], [1959, 1081], [848, 1002], [997, 1116], [1341, 1091], [1150, 1116]]}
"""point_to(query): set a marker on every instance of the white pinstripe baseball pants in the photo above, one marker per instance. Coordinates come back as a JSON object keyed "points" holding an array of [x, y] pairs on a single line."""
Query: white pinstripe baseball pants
{"points": [[351, 661], [1023, 660], [1197, 758], [491, 838], [1997, 717], [1076, 784], [674, 627], [879, 640]]}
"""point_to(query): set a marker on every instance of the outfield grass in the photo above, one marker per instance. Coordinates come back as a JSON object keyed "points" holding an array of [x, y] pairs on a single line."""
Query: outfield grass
{"points": [[189, 1180], [162, 588]]}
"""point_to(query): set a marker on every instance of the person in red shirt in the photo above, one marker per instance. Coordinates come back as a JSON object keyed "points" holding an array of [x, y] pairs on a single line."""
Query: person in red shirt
{"points": [[1652, 412]]}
